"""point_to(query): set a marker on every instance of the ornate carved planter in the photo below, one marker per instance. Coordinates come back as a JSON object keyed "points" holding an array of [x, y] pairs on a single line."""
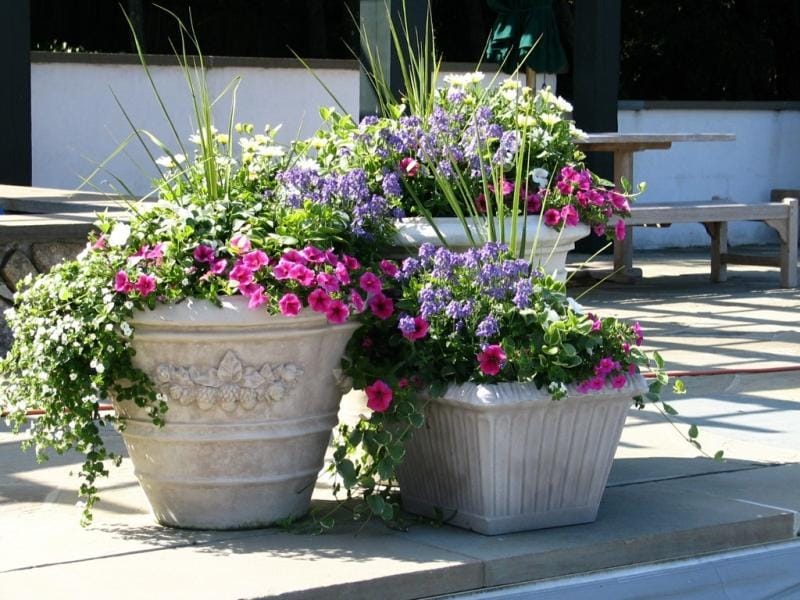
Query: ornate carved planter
{"points": [[550, 247], [505, 457], [252, 402]]}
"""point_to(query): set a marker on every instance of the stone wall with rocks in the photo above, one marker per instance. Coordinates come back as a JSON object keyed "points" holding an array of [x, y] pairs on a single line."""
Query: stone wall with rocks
{"points": [[17, 261]]}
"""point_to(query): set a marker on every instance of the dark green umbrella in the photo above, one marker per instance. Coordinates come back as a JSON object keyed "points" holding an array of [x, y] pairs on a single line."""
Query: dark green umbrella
{"points": [[519, 25]]}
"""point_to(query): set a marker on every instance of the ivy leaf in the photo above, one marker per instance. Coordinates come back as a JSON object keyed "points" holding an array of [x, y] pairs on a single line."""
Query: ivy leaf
{"points": [[693, 432], [348, 472], [376, 504], [668, 409]]}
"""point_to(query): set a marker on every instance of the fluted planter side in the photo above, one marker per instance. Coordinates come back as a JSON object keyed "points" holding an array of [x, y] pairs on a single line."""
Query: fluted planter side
{"points": [[503, 458], [549, 247], [252, 402]]}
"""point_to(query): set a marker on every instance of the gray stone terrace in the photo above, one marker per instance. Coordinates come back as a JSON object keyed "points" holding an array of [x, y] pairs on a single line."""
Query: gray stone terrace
{"points": [[664, 501]]}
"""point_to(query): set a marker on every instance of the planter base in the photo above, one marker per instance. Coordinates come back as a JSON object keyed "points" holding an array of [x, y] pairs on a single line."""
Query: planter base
{"points": [[497, 525]]}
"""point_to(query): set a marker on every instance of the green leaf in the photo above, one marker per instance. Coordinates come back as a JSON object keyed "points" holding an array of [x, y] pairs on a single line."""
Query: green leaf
{"points": [[668, 409], [348, 472], [386, 468], [658, 360], [718, 455], [397, 452], [693, 432], [376, 504], [678, 387]]}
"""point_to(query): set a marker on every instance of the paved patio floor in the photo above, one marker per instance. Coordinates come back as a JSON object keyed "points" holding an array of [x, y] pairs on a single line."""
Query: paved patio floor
{"points": [[664, 500]]}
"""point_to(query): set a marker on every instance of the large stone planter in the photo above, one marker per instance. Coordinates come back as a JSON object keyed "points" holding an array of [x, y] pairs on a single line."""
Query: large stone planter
{"points": [[505, 457], [549, 247], [252, 402]]}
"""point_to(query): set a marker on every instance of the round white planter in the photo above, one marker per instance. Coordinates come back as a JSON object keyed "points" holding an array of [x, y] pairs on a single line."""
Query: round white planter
{"points": [[549, 247], [252, 402], [505, 457]]}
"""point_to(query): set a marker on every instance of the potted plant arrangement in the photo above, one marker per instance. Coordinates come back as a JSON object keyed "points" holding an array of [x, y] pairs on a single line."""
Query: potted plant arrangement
{"points": [[217, 320], [496, 401], [474, 161], [214, 319]]}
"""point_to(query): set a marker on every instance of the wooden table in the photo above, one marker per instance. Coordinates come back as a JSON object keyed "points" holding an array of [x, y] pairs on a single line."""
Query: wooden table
{"points": [[623, 146]]}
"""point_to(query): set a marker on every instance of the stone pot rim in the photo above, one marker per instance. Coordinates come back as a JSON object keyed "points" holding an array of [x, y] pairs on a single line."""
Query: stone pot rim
{"points": [[493, 396]]}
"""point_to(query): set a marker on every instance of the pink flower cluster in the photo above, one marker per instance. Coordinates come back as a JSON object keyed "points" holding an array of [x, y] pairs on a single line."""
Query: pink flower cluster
{"points": [[578, 184], [607, 369], [142, 283]]}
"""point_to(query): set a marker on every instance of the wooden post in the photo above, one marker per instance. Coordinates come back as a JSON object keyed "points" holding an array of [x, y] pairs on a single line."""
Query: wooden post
{"points": [[375, 26], [15, 93]]}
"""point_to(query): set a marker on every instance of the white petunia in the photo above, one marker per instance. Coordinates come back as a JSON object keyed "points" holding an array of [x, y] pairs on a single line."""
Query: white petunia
{"points": [[119, 235], [540, 177]]}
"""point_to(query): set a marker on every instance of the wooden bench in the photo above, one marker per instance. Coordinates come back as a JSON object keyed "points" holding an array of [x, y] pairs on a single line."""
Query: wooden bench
{"points": [[715, 215]]}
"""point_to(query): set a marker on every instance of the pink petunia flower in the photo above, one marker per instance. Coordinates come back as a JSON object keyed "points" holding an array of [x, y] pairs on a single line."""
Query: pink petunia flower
{"points": [[156, 252], [599, 230], [302, 274], [257, 298], [294, 256], [100, 243], [552, 217], [281, 270], [337, 312], [491, 359], [218, 266], [370, 283], [328, 282], [255, 259], [239, 243], [389, 267], [319, 300], [204, 254], [351, 262], [409, 166], [356, 301], [290, 305], [379, 396], [570, 216], [313, 255], [421, 327], [241, 274], [534, 203], [342, 274], [145, 284], [122, 284], [619, 230], [618, 382], [381, 306]]}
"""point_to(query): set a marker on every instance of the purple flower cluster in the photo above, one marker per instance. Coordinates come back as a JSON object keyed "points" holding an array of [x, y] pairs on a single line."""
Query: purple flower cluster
{"points": [[349, 189], [487, 272]]}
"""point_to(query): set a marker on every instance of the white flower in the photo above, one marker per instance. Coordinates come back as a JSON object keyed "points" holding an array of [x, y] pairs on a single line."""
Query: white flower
{"points": [[307, 164], [126, 329], [575, 306], [550, 119], [165, 161], [464, 79], [540, 176], [525, 121], [271, 151], [119, 235]]}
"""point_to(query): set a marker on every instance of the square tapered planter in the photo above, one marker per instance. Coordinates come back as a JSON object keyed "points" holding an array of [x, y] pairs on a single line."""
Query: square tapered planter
{"points": [[506, 457]]}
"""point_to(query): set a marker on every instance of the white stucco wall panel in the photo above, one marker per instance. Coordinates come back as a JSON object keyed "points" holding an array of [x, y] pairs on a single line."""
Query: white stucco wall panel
{"points": [[76, 124]]}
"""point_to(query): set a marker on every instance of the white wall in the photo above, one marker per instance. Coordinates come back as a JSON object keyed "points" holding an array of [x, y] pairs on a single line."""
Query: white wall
{"points": [[76, 124]]}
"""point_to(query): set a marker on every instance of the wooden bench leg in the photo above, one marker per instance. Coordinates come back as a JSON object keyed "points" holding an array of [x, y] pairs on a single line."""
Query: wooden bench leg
{"points": [[719, 248], [623, 253], [787, 257]]}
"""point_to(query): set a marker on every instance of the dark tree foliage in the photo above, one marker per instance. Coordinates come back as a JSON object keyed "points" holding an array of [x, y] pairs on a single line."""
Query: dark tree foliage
{"points": [[679, 50], [710, 50]]}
